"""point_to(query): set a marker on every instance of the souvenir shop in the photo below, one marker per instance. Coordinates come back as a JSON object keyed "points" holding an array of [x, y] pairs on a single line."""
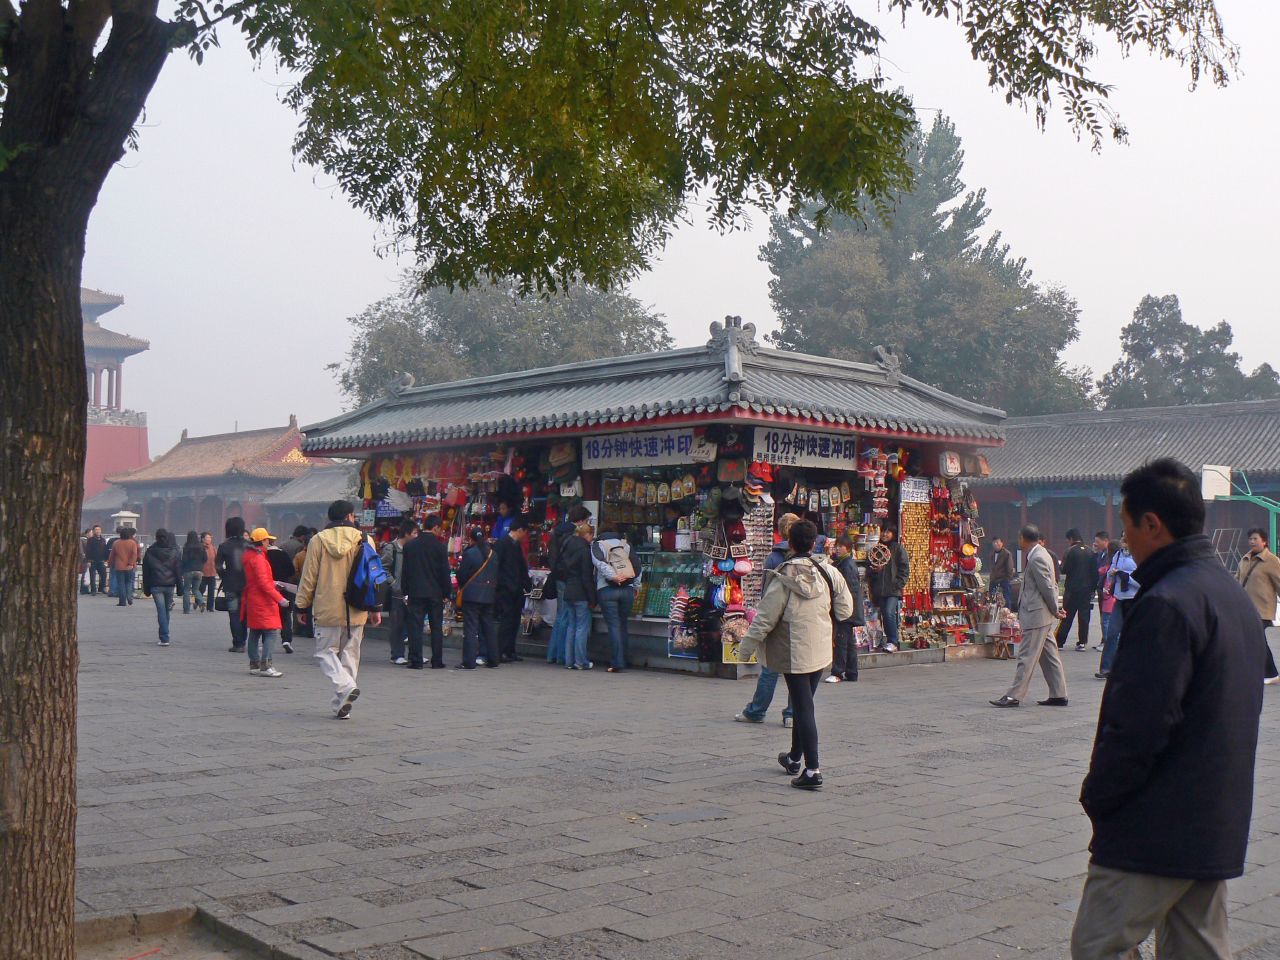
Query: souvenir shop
{"points": [[696, 483]]}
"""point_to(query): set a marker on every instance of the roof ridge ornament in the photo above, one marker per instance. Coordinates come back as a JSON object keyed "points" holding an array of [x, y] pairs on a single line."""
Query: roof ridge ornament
{"points": [[888, 361], [733, 338], [398, 385]]}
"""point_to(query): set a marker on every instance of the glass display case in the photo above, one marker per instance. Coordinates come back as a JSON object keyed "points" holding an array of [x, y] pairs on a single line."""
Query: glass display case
{"points": [[664, 574]]}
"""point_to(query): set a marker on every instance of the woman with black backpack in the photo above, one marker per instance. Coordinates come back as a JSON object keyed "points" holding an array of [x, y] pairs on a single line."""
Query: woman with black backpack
{"points": [[193, 560]]}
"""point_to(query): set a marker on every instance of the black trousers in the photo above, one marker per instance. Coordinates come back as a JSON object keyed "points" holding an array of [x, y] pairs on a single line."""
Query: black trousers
{"points": [[1078, 608], [480, 634], [398, 628], [1271, 660], [845, 664], [419, 612], [508, 608], [97, 576], [239, 632], [804, 729]]}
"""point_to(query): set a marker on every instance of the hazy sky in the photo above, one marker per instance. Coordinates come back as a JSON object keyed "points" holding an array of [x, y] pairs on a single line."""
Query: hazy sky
{"points": [[242, 269]]}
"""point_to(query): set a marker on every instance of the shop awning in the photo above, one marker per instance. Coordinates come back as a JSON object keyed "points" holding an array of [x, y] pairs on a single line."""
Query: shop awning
{"points": [[730, 379]]}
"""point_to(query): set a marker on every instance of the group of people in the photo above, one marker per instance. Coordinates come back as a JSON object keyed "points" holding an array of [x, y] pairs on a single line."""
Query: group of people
{"points": [[109, 567]]}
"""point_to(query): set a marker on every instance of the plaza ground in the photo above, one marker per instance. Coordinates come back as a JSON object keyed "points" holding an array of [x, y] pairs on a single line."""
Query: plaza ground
{"points": [[533, 812]]}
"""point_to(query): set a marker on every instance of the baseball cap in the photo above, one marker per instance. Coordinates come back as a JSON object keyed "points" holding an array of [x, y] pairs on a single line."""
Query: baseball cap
{"points": [[259, 534]]}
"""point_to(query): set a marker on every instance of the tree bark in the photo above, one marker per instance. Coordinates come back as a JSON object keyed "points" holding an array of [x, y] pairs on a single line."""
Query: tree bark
{"points": [[70, 126]]}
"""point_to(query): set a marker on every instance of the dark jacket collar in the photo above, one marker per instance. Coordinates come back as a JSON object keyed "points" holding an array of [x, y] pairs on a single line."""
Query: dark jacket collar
{"points": [[1177, 554]]}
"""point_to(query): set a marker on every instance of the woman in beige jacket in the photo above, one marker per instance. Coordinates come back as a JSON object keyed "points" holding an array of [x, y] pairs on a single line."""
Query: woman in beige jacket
{"points": [[803, 599]]}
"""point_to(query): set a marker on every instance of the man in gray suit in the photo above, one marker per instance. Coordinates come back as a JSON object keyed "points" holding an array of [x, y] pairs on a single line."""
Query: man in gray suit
{"points": [[1038, 611]]}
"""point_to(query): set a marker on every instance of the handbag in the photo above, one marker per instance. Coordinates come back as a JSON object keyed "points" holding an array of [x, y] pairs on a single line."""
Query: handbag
{"points": [[221, 602], [457, 600]]}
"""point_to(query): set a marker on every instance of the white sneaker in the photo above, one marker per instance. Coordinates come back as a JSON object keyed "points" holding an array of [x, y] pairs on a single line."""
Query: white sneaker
{"points": [[479, 661], [254, 672], [1097, 646], [399, 661], [1270, 680], [270, 672], [787, 721], [890, 648], [832, 679]]}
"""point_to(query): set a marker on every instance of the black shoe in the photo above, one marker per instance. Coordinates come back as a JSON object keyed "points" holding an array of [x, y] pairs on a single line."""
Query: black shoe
{"points": [[234, 649], [464, 666], [506, 659], [1100, 675], [437, 666], [1005, 702], [1053, 702], [414, 666], [808, 781], [491, 666], [791, 766], [287, 645], [516, 658], [851, 677]]}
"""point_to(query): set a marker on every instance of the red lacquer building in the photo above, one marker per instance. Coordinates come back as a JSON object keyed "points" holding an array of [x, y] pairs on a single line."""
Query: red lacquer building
{"points": [[117, 440]]}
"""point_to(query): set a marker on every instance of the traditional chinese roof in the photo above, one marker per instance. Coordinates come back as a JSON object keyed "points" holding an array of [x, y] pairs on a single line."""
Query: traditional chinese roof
{"points": [[732, 378], [1105, 445], [97, 337], [94, 303], [317, 485], [265, 454], [110, 497]]}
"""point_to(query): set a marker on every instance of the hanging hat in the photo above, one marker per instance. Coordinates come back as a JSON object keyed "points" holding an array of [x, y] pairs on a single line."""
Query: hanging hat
{"points": [[735, 531]]}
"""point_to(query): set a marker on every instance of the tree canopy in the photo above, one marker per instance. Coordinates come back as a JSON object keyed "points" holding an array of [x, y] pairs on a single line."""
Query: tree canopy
{"points": [[962, 313], [1166, 361], [438, 335]]}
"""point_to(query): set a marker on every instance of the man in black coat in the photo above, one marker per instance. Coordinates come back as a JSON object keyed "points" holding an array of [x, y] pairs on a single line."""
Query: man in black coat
{"points": [[95, 554], [229, 564], [425, 580], [513, 581], [844, 666], [1081, 572], [1170, 785]]}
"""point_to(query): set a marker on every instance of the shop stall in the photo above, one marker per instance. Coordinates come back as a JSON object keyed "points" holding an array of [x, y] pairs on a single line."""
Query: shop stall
{"points": [[692, 456]]}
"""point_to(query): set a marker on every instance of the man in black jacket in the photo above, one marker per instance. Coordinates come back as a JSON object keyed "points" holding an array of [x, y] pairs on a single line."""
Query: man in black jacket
{"points": [[229, 564], [425, 581], [844, 666], [513, 581], [1002, 571], [95, 554], [1170, 785], [1081, 572], [887, 585]]}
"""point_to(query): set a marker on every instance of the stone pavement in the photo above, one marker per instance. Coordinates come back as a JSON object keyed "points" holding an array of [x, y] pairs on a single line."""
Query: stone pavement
{"points": [[532, 812]]}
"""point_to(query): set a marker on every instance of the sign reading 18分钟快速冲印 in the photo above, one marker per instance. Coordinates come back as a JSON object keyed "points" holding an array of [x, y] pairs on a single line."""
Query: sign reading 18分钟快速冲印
{"points": [[653, 448], [804, 448]]}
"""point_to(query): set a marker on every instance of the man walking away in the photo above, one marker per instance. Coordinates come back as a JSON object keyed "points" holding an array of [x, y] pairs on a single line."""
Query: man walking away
{"points": [[322, 600], [209, 572], [1001, 571], [229, 564], [887, 585], [124, 561], [95, 554], [513, 581], [1259, 574], [477, 583], [560, 535], [427, 586], [615, 593], [260, 604], [1081, 572], [392, 557], [1170, 784], [193, 558], [1038, 609], [1123, 587], [161, 575], [845, 664]]}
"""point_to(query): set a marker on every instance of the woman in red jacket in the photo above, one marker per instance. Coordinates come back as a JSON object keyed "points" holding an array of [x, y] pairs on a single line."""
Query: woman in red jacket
{"points": [[260, 605]]}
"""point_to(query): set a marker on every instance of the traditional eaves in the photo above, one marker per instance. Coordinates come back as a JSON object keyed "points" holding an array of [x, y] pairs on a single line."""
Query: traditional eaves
{"points": [[98, 337], [731, 378], [317, 485], [266, 454]]}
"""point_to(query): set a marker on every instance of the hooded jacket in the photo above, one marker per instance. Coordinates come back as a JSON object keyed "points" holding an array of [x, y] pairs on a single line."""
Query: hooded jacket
{"points": [[161, 567], [323, 584], [1170, 784], [794, 619], [260, 601], [229, 562]]}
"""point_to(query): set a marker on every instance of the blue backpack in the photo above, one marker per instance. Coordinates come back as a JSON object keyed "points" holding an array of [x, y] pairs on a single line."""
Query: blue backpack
{"points": [[368, 585]]}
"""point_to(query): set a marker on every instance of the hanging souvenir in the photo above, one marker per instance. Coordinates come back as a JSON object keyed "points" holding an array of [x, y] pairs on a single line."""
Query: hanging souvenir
{"points": [[846, 493], [824, 497], [664, 493], [814, 501]]}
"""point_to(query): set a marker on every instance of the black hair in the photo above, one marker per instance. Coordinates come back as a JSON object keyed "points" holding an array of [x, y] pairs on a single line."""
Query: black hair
{"points": [[126, 533], [193, 539], [234, 527], [519, 523], [577, 514], [1073, 535], [1102, 535], [299, 531], [889, 528], [1030, 532], [432, 521], [845, 540], [205, 533], [477, 535], [162, 538], [1260, 532], [1167, 488], [339, 510], [407, 527], [802, 536]]}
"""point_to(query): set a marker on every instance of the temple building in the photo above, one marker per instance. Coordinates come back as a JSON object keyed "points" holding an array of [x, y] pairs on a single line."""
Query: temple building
{"points": [[117, 437]]}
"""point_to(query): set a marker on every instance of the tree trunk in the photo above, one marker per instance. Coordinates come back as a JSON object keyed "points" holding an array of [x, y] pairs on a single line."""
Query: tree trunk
{"points": [[69, 124]]}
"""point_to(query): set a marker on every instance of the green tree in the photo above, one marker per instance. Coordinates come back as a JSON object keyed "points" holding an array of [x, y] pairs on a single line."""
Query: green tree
{"points": [[962, 314], [1166, 361], [439, 335], [540, 140]]}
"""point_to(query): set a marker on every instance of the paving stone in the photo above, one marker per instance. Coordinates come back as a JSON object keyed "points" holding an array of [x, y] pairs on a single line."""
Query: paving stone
{"points": [[472, 941]]}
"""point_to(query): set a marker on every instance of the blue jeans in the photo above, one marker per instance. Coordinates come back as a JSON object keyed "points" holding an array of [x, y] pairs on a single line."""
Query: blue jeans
{"points": [[122, 585], [191, 590], [163, 596], [759, 705], [564, 617], [615, 604], [268, 639], [1111, 641], [889, 607], [575, 639]]}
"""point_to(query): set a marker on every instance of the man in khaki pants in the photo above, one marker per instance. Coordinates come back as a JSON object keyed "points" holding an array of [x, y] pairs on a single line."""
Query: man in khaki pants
{"points": [[1038, 611], [1170, 784]]}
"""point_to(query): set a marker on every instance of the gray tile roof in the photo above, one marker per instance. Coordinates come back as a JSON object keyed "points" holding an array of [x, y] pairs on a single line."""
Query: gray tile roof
{"points": [[740, 381], [1105, 445], [317, 485]]}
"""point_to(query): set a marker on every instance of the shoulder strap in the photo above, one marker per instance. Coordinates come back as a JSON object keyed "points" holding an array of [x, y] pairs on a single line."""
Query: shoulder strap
{"points": [[831, 587], [479, 570], [1249, 573]]}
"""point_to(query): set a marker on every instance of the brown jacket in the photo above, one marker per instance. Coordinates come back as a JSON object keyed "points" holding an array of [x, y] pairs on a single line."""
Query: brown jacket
{"points": [[1259, 574], [124, 554], [323, 584]]}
